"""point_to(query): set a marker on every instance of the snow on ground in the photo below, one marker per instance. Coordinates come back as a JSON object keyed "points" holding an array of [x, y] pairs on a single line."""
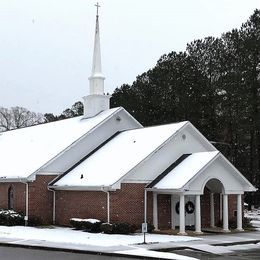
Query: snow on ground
{"points": [[67, 235], [254, 216], [243, 247]]}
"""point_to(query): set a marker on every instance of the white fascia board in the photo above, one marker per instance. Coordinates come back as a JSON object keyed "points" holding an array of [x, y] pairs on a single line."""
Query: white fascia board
{"points": [[48, 173], [166, 191], [203, 139], [250, 188], [201, 170], [14, 179], [151, 154], [31, 176], [132, 118], [82, 188]]}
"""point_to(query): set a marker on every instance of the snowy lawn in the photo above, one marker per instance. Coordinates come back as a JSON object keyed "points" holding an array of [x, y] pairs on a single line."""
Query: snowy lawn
{"points": [[254, 216], [68, 235]]}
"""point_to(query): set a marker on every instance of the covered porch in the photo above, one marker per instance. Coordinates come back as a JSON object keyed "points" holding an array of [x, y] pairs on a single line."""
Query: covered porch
{"points": [[200, 190]]}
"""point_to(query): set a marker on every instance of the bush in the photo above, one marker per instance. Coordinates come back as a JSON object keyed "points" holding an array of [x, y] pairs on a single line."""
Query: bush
{"points": [[246, 223], [150, 227], [76, 223], [11, 218], [121, 228], [96, 227], [89, 225], [107, 228]]}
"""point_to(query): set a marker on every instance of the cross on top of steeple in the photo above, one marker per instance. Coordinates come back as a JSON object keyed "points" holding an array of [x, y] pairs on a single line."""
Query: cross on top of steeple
{"points": [[97, 5]]}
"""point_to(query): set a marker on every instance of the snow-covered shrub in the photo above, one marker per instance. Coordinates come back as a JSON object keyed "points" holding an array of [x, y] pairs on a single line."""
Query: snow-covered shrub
{"points": [[11, 218], [76, 223], [89, 225], [107, 228]]}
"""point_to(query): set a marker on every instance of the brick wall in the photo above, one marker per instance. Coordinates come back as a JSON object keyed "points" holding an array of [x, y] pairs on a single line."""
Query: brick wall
{"points": [[205, 208], [164, 211], [80, 204], [41, 199], [19, 196], [126, 205]]}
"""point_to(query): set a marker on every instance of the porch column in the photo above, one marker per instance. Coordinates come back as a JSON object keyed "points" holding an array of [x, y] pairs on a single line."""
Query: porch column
{"points": [[155, 211], [239, 213], [198, 215], [172, 211], [182, 215], [225, 213], [220, 206], [212, 210]]}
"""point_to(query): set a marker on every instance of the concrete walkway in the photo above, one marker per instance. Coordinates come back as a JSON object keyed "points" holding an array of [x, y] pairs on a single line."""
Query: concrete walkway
{"points": [[209, 243]]}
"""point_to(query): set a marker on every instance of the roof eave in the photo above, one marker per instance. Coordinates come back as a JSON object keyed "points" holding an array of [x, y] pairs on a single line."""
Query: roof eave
{"points": [[14, 179], [165, 190], [81, 188]]}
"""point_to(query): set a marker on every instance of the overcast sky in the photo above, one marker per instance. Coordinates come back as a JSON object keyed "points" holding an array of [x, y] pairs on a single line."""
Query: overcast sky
{"points": [[46, 45]]}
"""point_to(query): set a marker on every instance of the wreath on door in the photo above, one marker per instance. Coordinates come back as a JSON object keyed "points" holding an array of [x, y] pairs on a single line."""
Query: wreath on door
{"points": [[189, 207]]}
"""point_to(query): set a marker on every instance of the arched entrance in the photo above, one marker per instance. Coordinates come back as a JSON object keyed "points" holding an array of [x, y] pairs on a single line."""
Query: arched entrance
{"points": [[212, 203]]}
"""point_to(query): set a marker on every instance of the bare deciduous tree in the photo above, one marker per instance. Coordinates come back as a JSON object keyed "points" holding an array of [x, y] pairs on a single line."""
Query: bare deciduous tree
{"points": [[18, 117]]}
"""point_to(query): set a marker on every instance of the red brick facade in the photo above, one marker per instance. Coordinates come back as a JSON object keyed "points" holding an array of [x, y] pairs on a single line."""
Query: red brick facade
{"points": [[164, 211], [80, 204], [126, 204], [41, 199], [18, 195]]}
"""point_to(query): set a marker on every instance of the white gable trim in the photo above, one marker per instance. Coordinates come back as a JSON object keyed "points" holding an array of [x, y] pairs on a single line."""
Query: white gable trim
{"points": [[187, 125], [247, 186], [117, 183], [114, 114]]}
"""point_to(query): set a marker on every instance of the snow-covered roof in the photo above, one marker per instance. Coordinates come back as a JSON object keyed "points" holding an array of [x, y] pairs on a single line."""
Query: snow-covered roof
{"points": [[185, 170], [24, 151], [117, 157]]}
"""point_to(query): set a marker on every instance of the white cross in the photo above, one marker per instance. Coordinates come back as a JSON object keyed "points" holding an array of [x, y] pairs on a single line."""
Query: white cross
{"points": [[97, 5]]}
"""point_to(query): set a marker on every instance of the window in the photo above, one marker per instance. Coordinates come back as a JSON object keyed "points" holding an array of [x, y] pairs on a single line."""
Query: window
{"points": [[11, 197]]}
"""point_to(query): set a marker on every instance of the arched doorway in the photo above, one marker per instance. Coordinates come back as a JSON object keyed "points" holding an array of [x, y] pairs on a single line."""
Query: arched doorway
{"points": [[212, 204]]}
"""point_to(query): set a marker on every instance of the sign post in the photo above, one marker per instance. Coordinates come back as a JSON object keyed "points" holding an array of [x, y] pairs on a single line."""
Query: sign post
{"points": [[144, 230]]}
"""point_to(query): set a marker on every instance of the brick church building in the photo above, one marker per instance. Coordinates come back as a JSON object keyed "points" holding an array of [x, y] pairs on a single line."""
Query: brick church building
{"points": [[106, 165]]}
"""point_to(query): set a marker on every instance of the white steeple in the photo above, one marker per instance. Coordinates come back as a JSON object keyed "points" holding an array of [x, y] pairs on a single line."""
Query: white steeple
{"points": [[96, 101]]}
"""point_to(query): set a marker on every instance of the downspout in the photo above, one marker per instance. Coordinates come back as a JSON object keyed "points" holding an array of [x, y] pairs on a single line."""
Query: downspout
{"points": [[108, 204], [145, 206], [26, 217], [53, 205]]}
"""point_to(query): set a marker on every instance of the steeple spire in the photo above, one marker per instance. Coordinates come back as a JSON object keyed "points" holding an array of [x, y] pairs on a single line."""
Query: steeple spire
{"points": [[96, 80], [96, 101]]}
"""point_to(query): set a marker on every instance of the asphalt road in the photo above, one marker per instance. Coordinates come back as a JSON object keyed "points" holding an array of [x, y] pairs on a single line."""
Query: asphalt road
{"points": [[16, 253]]}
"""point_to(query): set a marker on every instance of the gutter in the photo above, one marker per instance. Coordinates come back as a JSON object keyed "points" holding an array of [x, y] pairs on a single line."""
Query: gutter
{"points": [[14, 179], [82, 188]]}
